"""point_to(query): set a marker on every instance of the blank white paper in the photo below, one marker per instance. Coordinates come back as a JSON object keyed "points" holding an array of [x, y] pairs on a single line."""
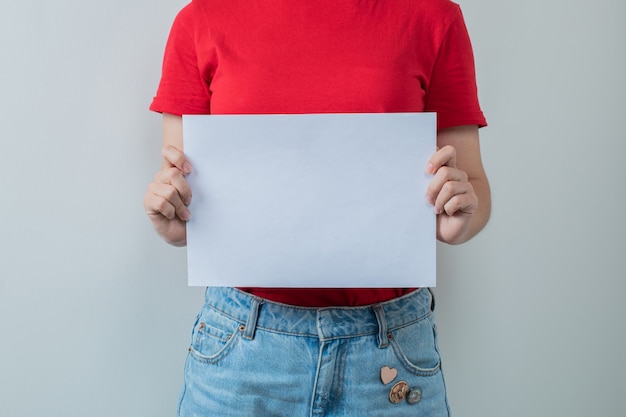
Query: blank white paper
{"points": [[315, 200]]}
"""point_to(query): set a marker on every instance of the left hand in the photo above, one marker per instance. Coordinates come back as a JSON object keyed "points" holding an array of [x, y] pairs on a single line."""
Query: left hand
{"points": [[451, 194]]}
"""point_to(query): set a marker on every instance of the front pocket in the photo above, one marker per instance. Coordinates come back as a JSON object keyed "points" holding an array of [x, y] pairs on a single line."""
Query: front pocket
{"points": [[416, 347], [213, 337]]}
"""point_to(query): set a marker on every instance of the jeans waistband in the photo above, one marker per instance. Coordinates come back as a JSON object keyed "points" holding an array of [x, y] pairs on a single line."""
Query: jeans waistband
{"points": [[325, 323]]}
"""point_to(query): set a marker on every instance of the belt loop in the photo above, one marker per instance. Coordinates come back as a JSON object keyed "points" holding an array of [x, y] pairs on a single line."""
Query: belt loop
{"points": [[432, 300], [383, 340], [248, 332]]}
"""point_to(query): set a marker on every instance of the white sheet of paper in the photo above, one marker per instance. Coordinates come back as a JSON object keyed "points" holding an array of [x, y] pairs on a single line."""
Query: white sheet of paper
{"points": [[316, 200]]}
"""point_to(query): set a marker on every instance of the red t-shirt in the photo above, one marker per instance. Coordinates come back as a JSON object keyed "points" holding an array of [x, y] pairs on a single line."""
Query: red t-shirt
{"points": [[323, 56]]}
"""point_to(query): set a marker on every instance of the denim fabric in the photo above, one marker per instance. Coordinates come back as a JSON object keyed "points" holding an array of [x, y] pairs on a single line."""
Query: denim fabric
{"points": [[252, 357]]}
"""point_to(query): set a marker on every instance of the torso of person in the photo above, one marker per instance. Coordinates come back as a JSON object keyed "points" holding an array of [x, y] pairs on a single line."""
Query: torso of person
{"points": [[324, 56]]}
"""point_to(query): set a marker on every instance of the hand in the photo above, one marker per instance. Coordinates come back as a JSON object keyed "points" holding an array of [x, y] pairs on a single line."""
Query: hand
{"points": [[452, 195], [168, 196]]}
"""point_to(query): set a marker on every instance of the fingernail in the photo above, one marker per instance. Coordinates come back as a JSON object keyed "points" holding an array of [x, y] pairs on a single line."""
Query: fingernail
{"points": [[187, 200], [187, 167], [438, 210], [430, 168], [430, 200], [185, 214]]}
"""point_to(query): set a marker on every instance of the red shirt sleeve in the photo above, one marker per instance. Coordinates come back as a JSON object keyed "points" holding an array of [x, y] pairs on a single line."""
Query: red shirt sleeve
{"points": [[183, 89], [452, 91]]}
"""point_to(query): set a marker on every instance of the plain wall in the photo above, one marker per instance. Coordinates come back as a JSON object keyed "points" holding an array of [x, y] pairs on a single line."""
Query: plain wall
{"points": [[95, 314]]}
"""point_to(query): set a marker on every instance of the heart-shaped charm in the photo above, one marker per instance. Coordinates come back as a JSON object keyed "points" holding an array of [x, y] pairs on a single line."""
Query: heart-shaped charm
{"points": [[388, 374]]}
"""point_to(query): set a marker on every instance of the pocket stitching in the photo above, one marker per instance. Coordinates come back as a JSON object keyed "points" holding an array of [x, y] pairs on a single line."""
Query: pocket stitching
{"points": [[220, 354], [410, 365]]}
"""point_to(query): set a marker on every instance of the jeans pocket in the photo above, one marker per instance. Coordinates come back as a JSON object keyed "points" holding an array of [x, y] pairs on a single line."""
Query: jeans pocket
{"points": [[415, 346], [214, 335]]}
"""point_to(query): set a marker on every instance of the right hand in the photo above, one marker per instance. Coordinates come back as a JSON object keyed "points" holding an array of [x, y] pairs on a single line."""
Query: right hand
{"points": [[168, 197]]}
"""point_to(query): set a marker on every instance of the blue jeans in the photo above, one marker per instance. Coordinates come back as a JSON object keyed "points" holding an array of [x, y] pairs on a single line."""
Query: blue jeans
{"points": [[254, 357]]}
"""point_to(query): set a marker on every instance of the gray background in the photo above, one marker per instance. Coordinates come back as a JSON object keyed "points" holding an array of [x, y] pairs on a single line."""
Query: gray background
{"points": [[95, 313]]}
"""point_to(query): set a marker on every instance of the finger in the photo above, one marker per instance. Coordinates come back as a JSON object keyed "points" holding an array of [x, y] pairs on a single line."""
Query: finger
{"points": [[156, 205], [166, 200], [443, 175], [175, 178], [169, 193], [445, 156], [176, 158], [456, 196]]}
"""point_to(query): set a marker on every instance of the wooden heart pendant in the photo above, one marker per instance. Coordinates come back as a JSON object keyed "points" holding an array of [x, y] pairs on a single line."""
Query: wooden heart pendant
{"points": [[388, 374]]}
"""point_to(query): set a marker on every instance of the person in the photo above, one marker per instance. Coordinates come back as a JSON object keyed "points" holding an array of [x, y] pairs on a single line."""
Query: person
{"points": [[321, 351]]}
